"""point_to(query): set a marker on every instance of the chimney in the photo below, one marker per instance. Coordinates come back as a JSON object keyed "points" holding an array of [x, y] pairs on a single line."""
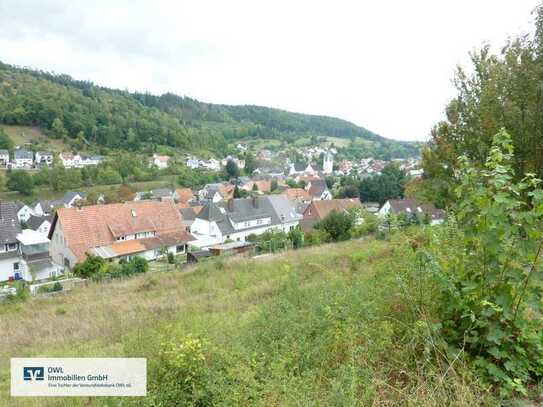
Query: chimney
{"points": [[255, 202], [230, 205]]}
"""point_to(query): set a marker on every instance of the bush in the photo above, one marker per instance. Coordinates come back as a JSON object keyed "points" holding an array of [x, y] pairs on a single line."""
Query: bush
{"points": [[171, 258], [337, 225], [97, 268], [485, 265]]}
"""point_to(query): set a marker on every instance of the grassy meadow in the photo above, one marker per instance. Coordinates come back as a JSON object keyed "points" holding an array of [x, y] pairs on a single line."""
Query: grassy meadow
{"points": [[334, 325]]}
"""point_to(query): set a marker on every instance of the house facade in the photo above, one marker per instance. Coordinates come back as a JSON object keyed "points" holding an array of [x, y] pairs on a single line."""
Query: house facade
{"points": [[148, 229], [318, 190], [24, 254], [161, 161], [23, 158], [4, 158], [44, 158], [318, 210], [237, 219], [413, 208]]}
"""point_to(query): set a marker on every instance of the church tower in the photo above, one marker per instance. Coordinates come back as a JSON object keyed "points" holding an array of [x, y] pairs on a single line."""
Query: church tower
{"points": [[328, 163]]}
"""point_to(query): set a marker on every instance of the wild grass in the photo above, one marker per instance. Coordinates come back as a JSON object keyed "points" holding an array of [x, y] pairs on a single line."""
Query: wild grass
{"points": [[330, 325]]}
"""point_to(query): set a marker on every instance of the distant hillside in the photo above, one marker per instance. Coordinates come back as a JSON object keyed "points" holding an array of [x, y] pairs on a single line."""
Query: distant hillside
{"points": [[80, 110]]}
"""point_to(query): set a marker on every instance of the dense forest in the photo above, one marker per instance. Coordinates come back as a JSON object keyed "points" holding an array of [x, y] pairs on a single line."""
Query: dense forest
{"points": [[73, 109], [503, 90]]}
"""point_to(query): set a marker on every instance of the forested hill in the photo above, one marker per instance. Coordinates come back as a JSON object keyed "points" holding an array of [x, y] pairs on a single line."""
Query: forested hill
{"points": [[67, 108]]}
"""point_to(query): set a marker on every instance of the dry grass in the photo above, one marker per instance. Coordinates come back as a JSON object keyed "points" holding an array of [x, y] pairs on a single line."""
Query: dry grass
{"points": [[223, 299], [27, 134]]}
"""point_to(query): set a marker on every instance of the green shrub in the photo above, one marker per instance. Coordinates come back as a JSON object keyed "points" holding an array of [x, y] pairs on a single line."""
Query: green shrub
{"points": [[171, 258], [486, 264]]}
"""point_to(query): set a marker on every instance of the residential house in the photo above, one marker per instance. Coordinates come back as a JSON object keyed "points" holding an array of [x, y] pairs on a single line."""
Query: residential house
{"points": [[88, 160], [346, 166], [36, 264], [297, 194], [23, 158], [158, 194], [71, 197], [161, 161], [318, 190], [69, 160], [301, 169], [242, 147], [188, 214], [217, 192], [41, 224], [237, 219], [149, 229], [184, 195], [10, 262], [264, 155], [46, 207], [192, 163], [24, 212], [211, 164], [4, 158], [272, 171], [411, 207], [262, 186], [23, 254], [239, 163], [44, 158], [318, 210]]}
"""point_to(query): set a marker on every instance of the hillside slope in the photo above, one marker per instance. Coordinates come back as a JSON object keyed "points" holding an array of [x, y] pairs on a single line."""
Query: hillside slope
{"points": [[311, 327], [112, 118]]}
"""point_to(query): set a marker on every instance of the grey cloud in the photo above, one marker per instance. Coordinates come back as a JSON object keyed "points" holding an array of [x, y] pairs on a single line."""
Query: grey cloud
{"points": [[87, 26]]}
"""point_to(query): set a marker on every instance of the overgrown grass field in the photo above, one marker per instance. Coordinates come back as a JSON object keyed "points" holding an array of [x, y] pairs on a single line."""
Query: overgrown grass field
{"points": [[328, 325]]}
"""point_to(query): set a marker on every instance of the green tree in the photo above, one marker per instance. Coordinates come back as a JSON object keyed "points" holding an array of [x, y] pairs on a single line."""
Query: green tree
{"points": [[337, 225], [232, 169], [20, 181], [58, 129], [487, 265], [90, 267], [5, 141], [250, 163]]}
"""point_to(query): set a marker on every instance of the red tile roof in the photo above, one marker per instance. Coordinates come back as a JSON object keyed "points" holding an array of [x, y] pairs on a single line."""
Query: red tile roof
{"points": [[184, 195], [297, 194], [100, 225]]}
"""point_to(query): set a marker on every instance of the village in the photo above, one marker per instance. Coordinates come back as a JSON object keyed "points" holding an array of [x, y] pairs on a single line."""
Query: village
{"points": [[41, 242]]}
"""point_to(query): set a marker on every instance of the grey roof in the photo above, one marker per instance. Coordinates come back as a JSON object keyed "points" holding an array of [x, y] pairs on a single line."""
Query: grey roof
{"points": [[48, 205], [161, 193], [188, 214], [4, 152], [285, 210], [44, 153], [317, 187], [23, 153], [34, 222], [68, 196], [247, 209], [9, 222], [412, 206]]}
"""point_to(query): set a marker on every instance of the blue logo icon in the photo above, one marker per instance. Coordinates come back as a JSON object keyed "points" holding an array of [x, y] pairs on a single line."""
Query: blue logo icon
{"points": [[33, 373]]}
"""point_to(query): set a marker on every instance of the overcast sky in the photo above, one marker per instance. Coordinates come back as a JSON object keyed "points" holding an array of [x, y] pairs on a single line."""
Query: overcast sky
{"points": [[385, 65]]}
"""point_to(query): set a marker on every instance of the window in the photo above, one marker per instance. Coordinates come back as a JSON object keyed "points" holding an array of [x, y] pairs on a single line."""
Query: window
{"points": [[259, 222], [12, 246], [246, 224], [16, 266], [180, 248]]}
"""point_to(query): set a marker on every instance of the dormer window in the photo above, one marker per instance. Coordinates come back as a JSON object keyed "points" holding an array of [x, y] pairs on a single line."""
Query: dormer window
{"points": [[133, 213]]}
